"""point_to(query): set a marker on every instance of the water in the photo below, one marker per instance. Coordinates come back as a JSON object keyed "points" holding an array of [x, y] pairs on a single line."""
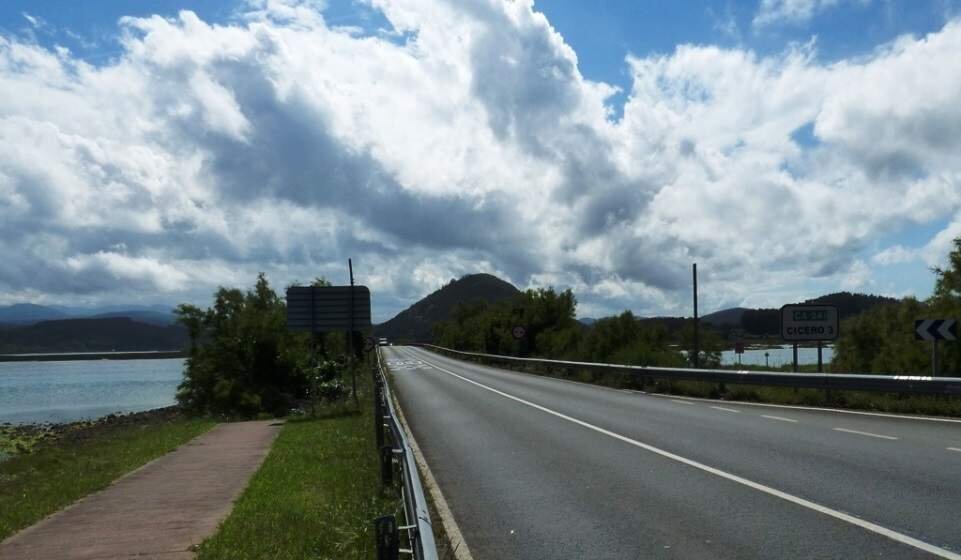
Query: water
{"points": [[85, 389], [778, 356]]}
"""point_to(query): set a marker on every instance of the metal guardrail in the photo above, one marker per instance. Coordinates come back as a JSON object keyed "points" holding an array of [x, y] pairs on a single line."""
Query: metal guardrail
{"points": [[839, 381], [397, 453]]}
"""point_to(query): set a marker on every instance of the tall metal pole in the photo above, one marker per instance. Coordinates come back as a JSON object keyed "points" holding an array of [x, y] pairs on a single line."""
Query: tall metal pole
{"points": [[697, 342]]}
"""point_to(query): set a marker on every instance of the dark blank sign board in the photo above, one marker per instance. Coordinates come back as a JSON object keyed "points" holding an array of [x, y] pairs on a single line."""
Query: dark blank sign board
{"points": [[327, 308]]}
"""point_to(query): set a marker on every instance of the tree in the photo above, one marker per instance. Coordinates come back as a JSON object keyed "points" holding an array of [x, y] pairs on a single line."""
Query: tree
{"points": [[881, 340], [243, 359]]}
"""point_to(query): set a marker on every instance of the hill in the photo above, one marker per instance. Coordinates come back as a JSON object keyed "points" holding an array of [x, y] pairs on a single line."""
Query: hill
{"points": [[725, 317], [141, 316], [91, 335], [415, 322], [28, 313], [768, 321]]}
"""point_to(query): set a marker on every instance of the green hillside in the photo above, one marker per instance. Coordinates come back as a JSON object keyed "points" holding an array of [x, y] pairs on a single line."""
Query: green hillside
{"points": [[91, 335], [415, 322]]}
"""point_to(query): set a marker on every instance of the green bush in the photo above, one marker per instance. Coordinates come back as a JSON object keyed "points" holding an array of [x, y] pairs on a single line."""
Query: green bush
{"points": [[243, 359], [881, 340]]}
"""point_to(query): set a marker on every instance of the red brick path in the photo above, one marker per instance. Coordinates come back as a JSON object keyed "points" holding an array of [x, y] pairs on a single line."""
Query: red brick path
{"points": [[159, 511]]}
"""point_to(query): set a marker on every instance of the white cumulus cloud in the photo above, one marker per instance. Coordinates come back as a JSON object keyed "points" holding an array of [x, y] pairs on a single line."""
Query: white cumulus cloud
{"points": [[465, 140]]}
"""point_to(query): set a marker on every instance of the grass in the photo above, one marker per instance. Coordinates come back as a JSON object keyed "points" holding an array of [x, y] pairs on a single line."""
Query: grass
{"points": [[57, 473], [317, 493]]}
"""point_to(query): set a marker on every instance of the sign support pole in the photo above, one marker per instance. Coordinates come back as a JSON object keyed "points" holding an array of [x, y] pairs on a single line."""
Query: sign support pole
{"points": [[934, 358], [795, 357], [820, 363], [697, 345], [350, 335]]}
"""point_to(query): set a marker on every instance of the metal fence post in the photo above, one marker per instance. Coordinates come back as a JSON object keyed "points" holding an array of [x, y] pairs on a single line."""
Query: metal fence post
{"points": [[387, 465], [378, 418], [388, 539]]}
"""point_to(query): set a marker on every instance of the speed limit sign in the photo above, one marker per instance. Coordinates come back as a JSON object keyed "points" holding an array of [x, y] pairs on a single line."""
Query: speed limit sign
{"points": [[519, 332]]}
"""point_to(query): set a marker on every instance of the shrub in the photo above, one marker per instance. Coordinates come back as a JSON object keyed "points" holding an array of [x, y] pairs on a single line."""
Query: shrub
{"points": [[243, 360]]}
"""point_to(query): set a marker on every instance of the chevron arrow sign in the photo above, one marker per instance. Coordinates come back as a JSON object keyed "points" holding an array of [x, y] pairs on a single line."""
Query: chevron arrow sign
{"points": [[936, 329]]}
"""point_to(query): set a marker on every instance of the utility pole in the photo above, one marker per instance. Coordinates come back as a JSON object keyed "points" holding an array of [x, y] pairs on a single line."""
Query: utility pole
{"points": [[697, 342]]}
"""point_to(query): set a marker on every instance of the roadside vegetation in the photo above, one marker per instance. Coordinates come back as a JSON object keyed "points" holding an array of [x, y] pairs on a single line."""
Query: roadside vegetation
{"points": [[245, 363], [878, 340], [317, 493], [882, 339], [54, 467], [551, 331]]}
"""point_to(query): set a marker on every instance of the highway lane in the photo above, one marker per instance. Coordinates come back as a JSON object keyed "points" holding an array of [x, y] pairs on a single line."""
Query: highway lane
{"points": [[539, 468]]}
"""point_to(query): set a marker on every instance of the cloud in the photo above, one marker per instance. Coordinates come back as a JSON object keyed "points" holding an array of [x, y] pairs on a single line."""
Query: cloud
{"points": [[773, 12], [896, 254], [465, 139], [35, 22]]}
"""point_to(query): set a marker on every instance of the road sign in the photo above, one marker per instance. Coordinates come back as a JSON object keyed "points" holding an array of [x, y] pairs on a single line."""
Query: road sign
{"points": [[739, 347], [936, 329], [519, 332], [328, 308], [369, 344], [809, 322]]}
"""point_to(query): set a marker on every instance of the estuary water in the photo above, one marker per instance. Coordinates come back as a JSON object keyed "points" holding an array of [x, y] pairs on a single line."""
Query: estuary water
{"points": [[777, 356], [33, 392]]}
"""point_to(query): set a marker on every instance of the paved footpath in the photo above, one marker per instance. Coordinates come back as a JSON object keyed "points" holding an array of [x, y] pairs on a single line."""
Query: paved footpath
{"points": [[160, 511]]}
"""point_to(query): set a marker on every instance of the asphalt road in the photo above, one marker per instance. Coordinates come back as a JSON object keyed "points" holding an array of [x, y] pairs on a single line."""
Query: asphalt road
{"points": [[539, 468]]}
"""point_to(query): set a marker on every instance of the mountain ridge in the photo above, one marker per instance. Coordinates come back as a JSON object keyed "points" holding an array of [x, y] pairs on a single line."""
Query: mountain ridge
{"points": [[91, 335], [416, 322]]}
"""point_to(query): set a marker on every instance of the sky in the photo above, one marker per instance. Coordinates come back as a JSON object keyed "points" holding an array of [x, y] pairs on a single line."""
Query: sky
{"points": [[155, 150]]}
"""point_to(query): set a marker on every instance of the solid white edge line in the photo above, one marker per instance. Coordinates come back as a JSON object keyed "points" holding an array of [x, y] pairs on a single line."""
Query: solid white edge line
{"points": [[456, 539], [873, 527], [724, 409], [860, 433], [781, 418], [958, 449]]}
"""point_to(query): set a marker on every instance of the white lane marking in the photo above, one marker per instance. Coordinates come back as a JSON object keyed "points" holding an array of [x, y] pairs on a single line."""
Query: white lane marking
{"points": [[958, 449], [682, 402], [816, 408], [873, 527], [869, 434], [781, 418], [724, 409]]}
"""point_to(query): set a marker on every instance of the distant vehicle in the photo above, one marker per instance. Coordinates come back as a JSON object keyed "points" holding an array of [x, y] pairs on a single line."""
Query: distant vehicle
{"points": [[382, 342]]}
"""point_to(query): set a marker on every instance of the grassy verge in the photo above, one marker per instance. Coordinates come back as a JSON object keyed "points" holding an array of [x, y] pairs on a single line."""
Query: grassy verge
{"points": [[934, 405], [317, 493], [58, 471]]}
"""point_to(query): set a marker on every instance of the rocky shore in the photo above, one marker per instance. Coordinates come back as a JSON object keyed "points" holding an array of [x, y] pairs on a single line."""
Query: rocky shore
{"points": [[24, 438]]}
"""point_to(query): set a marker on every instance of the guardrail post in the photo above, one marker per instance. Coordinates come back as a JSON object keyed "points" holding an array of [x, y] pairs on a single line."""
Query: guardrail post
{"points": [[388, 539], [387, 465], [378, 418]]}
